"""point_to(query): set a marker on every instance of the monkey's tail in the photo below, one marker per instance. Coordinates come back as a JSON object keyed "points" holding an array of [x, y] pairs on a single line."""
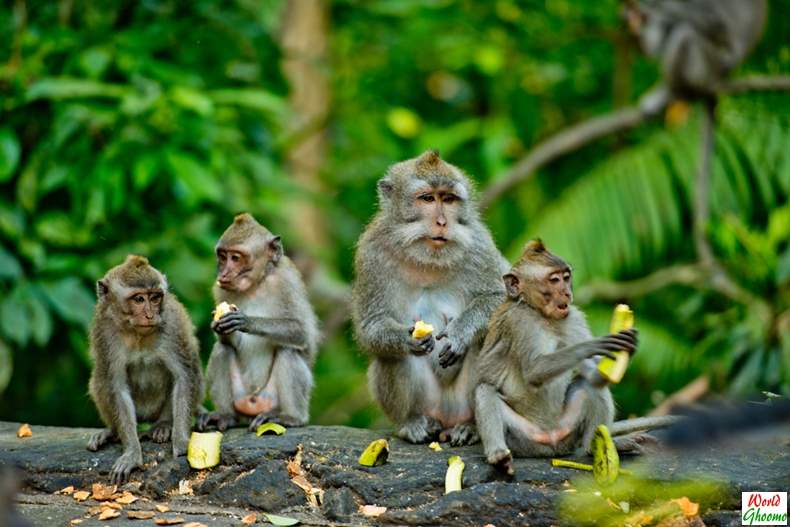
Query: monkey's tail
{"points": [[643, 423]]}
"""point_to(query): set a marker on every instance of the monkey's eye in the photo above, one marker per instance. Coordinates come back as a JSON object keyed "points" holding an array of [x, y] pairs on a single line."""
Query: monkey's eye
{"points": [[156, 298], [427, 198], [139, 299], [235, 257], [450, 198], [554, 279], [566, 276]]}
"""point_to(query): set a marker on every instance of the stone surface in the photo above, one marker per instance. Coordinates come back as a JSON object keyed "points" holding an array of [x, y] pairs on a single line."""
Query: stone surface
{"points": [[253, 477]]}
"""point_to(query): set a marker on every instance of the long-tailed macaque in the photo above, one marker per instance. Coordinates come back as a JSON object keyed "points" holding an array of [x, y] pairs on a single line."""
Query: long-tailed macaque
{"points": [[425, 255], [535, 396], [261, 364], [146, 363]]}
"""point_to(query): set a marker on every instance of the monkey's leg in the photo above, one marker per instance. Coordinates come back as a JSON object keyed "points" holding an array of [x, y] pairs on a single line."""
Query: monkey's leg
{"points": [[101, 438], [291, 381], [218, 373], [491, 425], [575, 402], [406, 390]]}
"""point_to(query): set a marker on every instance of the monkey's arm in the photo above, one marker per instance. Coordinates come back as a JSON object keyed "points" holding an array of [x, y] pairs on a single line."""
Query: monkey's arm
{"points": [[284, 331], [539, 369], [468, 326]]}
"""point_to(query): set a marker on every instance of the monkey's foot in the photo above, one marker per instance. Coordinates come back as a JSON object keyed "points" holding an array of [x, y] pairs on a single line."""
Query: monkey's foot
{"points": [[276, 417], [101, 438], [460, 435], [636, 443], [502, 459], [124, 466], [552, 437], [222, 421], [159, 432], [420, 429]]}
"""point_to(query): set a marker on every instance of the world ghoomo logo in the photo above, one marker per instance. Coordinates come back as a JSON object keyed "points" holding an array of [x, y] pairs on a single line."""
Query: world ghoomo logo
{"points": [[764, 508]]}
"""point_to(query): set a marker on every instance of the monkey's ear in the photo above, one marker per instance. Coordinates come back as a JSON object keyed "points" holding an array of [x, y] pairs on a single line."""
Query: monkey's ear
{"points": [[102, 288], [511, 285], [385, 188], [276, 246]]}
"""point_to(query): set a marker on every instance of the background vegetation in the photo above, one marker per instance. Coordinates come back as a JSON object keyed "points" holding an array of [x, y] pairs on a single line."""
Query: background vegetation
{"points": [[144, 125]]}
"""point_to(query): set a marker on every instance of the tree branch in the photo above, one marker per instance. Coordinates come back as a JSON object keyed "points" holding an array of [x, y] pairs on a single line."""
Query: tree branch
{"points": [[683, 274], [576, 136]]}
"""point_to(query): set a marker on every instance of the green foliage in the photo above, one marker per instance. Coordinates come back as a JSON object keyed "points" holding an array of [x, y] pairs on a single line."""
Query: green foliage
{"points": [[143, 127]]}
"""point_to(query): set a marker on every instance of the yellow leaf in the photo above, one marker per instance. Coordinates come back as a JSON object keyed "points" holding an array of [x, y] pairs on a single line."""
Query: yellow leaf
{"points": [[688, 507], [24, 431]]}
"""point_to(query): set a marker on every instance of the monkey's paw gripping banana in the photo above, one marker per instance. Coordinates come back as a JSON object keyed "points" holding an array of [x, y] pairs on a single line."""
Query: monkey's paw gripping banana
{"points": [[375, 454], [612, 370], [203, 449], [421, 329], [455, 474], [222, 309]]}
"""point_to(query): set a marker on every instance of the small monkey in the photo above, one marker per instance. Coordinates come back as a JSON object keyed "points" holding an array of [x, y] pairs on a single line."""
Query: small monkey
{"points": [[146, 363], [261, 364], [534, 398], [425, 255]]}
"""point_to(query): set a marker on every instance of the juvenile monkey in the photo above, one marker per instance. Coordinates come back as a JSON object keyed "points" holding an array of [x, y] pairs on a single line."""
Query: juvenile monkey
{"points": [[146, 363], [425, 255], [261, 364], [534, 396]]}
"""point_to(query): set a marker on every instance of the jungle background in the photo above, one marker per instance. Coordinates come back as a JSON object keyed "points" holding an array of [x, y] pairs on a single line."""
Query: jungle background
{"points": [[144, 125]]}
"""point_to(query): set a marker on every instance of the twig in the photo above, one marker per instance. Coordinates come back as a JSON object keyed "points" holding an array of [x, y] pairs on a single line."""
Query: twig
{"points": [[683, 274], [690, 393], [579, 135]]}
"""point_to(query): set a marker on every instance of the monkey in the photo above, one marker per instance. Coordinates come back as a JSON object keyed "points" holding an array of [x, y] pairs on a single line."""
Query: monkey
{"points": [[146, 363], [261, 364], [425, 255], [536, 392], [697, 42]]}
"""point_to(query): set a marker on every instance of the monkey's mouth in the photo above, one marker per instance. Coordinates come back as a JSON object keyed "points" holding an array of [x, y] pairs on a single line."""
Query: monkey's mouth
{"points": [[563, 309], [438, 241]]}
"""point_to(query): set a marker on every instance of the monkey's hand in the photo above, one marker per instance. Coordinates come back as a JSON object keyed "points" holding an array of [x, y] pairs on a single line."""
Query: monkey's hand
{"points": [[124, 465], [421, 346], [623, 341], [452, 351], [230, 322]]}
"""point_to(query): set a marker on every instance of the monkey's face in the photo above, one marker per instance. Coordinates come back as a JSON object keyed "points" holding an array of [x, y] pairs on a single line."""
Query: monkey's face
{"points": [[438, 209], [235, 269], [143, 310], [546, 289], [242, 267]]}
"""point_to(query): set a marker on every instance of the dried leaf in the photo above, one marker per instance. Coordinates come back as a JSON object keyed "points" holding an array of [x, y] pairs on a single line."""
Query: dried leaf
{"points": [[68, 490], [185, 487], [103, 492], [140, 515], [169, 521], [162, 508], [108, 514], [127, 498], [81, 495], [372, 511], [249, 519], [76, 521], [688, 507], [111, 505], [95, 510], [282, 521], [24, 430], [195, 524]]}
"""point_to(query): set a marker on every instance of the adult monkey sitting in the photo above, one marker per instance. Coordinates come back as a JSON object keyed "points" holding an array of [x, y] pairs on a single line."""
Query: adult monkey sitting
{"points": [[425, 255]]}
